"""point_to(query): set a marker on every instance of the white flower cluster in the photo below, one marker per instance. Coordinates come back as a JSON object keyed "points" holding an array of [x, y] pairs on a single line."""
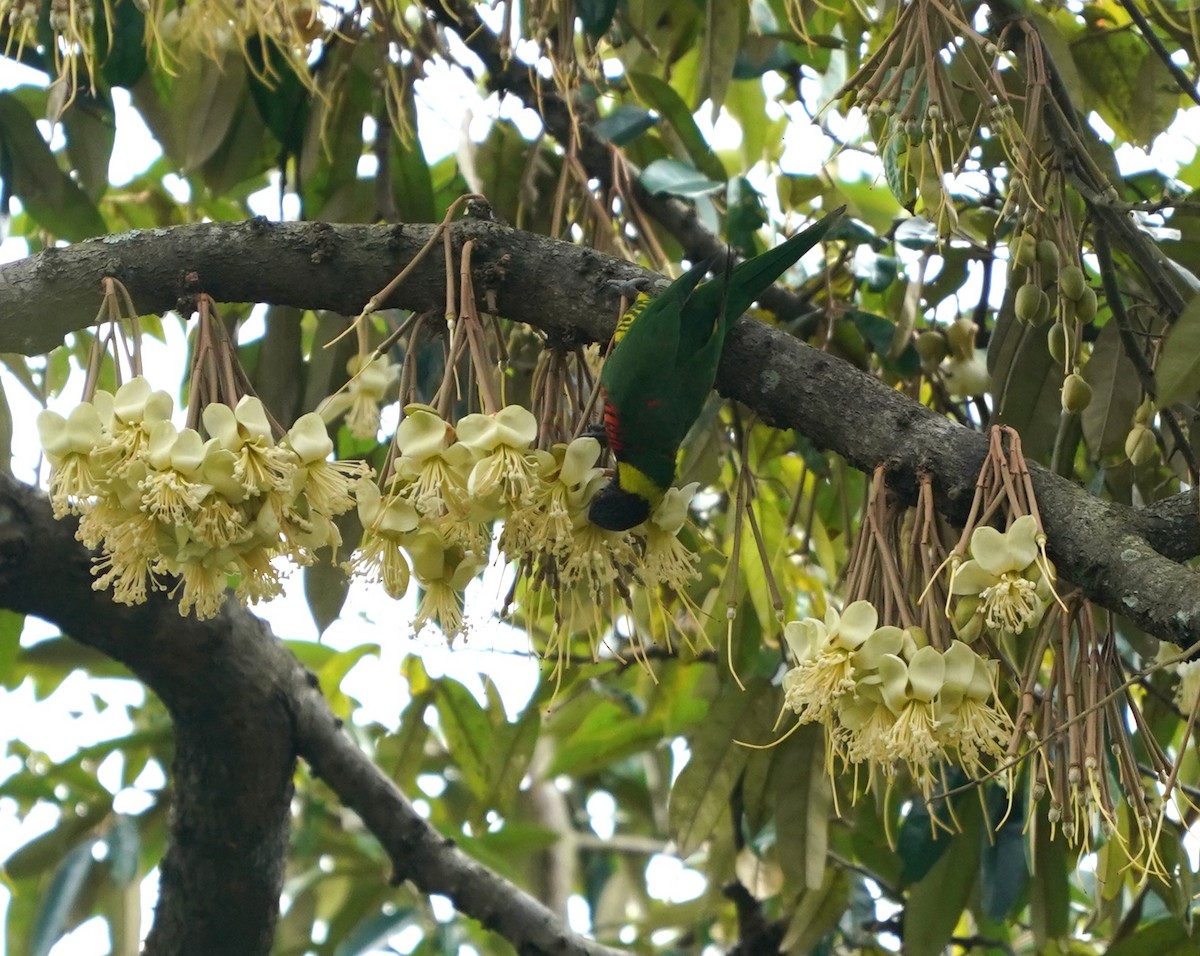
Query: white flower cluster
{"points": [[157, 501]]}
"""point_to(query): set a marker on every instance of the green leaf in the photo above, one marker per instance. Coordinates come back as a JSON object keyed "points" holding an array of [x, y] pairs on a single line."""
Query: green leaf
{"points": [[1167, 937], [371, 934], [1178, 372], [282, 102], [607, 733], [412, 180], [921, 843], [401, 754], [47, 849], [1026, 381], [901, 182], [1004, 870], [49, 662], [937, 901], [1115, 394], [120, 47], [1050, 888], [468, 732], [762, 137], [509, 757], [745, 215], [700, 794], [724, 26], [60, 898], [90, 126], [877, 330], [596, 16], [11, 626], [334, 671], [803, 803], [31, 171], [209, 98], [1129, 85], [124, 844], [245, 153], [326, 586], [662, 98], [625, 124], [817, 912]]}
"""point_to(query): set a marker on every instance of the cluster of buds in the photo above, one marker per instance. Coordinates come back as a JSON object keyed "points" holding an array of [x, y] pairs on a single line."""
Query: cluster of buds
{"points": [[22, 14], [445, 486], [888, 697], [160, 503]]}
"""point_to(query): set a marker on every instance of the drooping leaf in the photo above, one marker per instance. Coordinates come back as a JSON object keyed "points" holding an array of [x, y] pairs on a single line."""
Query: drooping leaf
{"points": [[509, 756], [1129, 85], [724, 25], [120, 44], [701, 792], [283, 103], [936, 902], [662, 98], [334, 671], [1026, 381], [596, 15], [61, 897], [1115, 394], [625, 124], [1004, 871], [47, 849], [1178, 371], [468, 732], [816, 913], [31, 172], [90, 126], [373, 932], [1166, 937], [11, 626], [803, 804], [1049, 889]]}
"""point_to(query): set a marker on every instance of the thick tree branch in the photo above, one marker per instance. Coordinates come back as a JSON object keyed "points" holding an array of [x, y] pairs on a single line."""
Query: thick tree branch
{"points": [[243, 709], [1122, 557]]}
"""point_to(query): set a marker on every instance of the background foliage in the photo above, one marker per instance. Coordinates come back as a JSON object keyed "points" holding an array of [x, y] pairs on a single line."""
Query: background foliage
{"points": [[948, 130]]}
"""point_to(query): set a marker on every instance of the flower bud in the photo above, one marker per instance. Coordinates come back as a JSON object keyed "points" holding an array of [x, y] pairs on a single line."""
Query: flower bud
{"points": [[1024, 250], [1031, 305], [1140, 446], [961, 336], [1056, 342], [1085, 305], [1076, 393], [931, 346], [1071, 282], [1047, 256]]}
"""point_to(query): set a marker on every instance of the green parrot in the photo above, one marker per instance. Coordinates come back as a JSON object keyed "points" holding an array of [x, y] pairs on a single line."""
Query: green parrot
{"points": [[662, 367]]}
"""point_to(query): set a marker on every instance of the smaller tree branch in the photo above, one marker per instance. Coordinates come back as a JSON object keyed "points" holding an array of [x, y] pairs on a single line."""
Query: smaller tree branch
{"points": [[418, 852]]}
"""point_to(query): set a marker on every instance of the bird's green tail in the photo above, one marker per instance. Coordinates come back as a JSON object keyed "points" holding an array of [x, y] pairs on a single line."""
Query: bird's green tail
{"points": [[748, 279]]}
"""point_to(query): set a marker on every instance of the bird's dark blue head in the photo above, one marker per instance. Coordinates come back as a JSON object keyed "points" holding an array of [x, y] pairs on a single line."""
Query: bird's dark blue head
{"points": [[615, 509]]}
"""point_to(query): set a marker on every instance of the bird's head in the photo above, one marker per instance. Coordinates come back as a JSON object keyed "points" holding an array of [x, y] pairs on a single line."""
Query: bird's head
{"points": [[615, 509]]}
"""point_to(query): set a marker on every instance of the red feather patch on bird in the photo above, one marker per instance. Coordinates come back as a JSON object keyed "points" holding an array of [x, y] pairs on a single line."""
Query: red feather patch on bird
{"points": [[612, 425]]}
